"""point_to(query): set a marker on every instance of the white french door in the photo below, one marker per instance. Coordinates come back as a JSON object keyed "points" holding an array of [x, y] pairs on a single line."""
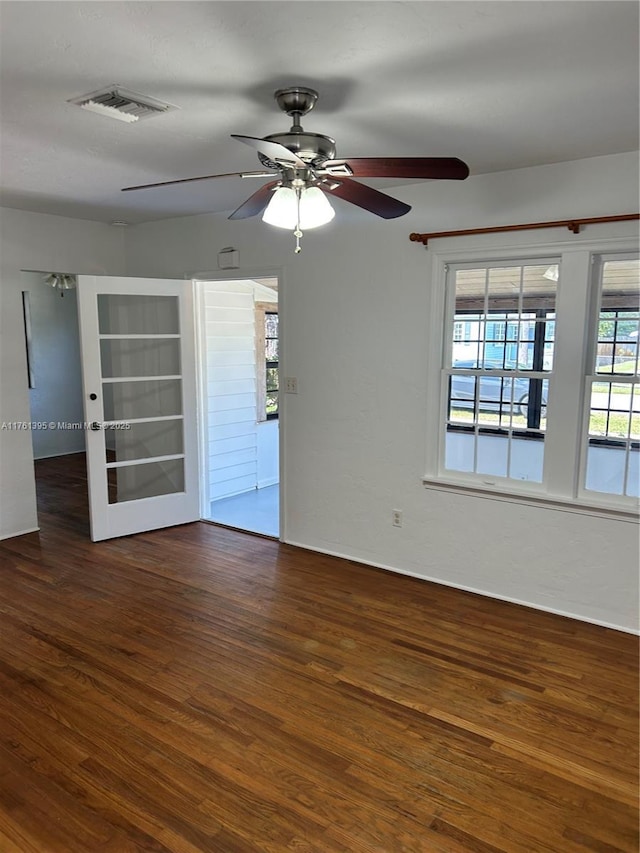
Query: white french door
{"points": [[138, 371]]}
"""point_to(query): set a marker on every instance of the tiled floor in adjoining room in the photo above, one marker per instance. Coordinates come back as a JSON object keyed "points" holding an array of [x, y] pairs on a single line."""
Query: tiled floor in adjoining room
{"points": [[256, 511]]}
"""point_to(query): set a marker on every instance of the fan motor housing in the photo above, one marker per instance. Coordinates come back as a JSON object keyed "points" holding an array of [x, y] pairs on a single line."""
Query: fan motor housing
{"points": [[313, 148]]}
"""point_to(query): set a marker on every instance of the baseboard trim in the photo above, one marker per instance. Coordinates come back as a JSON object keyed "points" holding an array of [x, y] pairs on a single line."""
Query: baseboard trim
{"points": [[55, 455], [19, 533], [601, 623], [271, 481]]}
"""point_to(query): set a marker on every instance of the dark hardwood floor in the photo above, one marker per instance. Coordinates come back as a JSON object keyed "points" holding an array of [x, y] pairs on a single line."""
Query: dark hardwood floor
{"points": [[199, 689]]}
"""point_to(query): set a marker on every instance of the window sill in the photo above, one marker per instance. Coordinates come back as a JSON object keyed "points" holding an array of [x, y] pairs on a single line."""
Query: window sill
{"points": [[546, 502]]}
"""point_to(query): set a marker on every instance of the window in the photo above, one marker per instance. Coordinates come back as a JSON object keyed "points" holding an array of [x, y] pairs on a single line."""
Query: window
{"points": [[613, 384], [267, 360], [271, 363], [497, 378], [539, 378]]}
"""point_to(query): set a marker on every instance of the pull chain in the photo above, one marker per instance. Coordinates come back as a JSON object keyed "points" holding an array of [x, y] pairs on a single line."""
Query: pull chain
{"points": [[298, 233]]}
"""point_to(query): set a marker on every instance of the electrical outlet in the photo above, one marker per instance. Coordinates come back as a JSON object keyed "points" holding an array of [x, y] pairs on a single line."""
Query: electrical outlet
{"points": [[396, 517], [290, 385]]}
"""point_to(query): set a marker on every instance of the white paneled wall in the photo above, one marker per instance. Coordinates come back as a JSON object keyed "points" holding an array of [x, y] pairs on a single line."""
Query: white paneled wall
{"points": [[230, 382]]}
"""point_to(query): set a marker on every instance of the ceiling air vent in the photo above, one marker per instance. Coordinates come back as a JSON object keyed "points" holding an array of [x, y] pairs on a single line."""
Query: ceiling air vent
{"points": [[122, 104]]}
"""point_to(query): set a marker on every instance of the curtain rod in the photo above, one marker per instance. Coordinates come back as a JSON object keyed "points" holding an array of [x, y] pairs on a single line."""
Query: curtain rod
{"points": [[572, 224]]}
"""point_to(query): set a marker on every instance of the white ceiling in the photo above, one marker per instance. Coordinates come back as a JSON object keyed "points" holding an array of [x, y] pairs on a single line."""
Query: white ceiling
{"points": [[502, 85]]}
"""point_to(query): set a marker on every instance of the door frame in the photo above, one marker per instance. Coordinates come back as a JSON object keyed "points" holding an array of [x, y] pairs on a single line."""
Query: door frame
{"points": [[200, 342]]}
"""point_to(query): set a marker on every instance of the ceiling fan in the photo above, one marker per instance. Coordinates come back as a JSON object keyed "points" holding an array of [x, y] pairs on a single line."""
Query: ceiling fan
{"points": [[305, 172]]}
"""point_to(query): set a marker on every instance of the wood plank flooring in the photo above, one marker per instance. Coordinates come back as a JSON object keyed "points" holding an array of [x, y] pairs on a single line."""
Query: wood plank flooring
{"points": [[199, 690]]}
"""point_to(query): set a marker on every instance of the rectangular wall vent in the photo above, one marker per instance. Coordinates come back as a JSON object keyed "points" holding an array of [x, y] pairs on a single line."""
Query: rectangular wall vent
{"points": [[121, 104]]}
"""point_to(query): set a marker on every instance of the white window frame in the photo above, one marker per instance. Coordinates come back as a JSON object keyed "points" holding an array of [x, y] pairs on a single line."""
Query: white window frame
{"points": [[599, 259], [261, 311], [565, 454]]}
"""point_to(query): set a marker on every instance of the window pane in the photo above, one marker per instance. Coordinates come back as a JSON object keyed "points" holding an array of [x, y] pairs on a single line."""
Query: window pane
{"points": [[527, 459], [605, 469], [147, 399], [611, 408], [140, 357], [271, 349], [502, 455], [492, 455], [505, 317], [271, 375], [532, 396], [614, 438], [271, 325], [272, 379], [134, 482], [125, 314], [613, 429], [619, 318], [143, 440], [272, 402], [498, 400]]}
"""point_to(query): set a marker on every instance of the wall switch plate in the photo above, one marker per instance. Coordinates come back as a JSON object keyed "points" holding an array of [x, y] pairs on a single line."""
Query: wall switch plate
{"points": [[290, 385], [396, 517]]}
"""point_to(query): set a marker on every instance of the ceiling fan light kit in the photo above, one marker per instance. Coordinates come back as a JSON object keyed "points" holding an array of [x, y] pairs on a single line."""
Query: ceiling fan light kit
{"points": [[298, 207], [305, 172], [61, 281]]}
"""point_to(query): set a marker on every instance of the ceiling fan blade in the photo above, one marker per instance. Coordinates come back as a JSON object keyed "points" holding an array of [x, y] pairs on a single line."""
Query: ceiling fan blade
{"points": [[273, 150], [256, 203], [449, 168], [203, 178], [376, 202]]}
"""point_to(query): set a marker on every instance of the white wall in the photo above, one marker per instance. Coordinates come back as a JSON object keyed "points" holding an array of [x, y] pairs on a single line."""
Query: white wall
{"points": [[354, 315], [57, 395], [33, 241], [268, 453]]}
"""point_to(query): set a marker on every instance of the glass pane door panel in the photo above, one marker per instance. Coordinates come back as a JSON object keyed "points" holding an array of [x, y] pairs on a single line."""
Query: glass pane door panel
{"points": [[124, 314], [140, 357], [144, 440], [150, 398], [134, 482]]}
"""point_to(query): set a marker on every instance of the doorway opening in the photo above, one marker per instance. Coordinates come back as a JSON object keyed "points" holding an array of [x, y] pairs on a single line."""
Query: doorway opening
{"points": [[239, 397], [55, 397]]}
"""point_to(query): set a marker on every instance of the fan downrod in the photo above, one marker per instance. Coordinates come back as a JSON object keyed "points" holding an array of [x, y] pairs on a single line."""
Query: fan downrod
{"points": [[312, 148]]}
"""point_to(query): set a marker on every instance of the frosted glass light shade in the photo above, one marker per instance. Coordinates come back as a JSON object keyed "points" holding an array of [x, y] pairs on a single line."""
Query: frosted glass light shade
{"points": [[282, 210], [315, 209]]}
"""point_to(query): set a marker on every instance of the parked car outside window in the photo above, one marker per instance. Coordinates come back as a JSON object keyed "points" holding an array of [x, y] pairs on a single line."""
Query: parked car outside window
{"points": [[494, 391]]}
